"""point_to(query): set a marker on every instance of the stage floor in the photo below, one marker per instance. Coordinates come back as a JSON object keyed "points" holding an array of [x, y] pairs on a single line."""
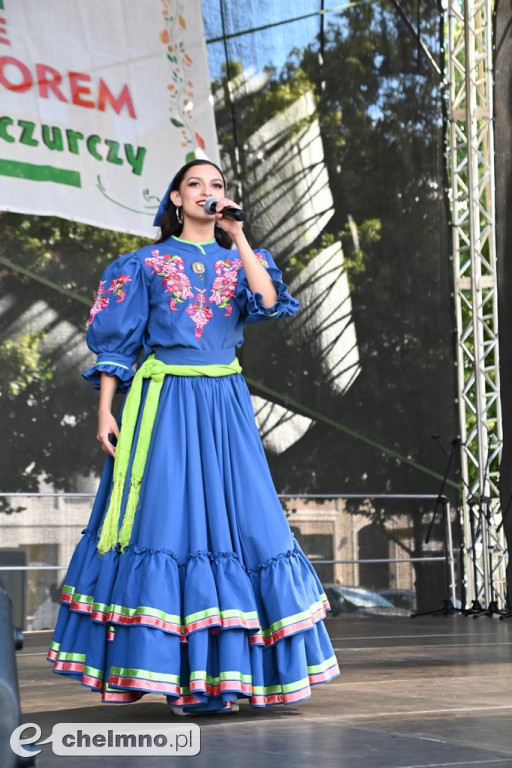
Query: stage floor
{"points": [[412, 693]]}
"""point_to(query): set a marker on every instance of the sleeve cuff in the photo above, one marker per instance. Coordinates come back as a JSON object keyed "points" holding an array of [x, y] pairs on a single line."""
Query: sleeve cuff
{"points": [[285, 305], [113, 365]]}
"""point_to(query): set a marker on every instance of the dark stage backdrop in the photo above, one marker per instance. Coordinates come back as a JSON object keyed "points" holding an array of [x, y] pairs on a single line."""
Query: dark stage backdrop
{"points": [[503, 139], [331, 128]]}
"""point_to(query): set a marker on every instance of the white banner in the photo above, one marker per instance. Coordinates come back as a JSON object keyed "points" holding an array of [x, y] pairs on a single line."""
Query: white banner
{"points": [[100, 104]]}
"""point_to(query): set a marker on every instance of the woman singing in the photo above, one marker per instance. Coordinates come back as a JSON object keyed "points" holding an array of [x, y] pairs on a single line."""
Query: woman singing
{"points": [[187, 580]]}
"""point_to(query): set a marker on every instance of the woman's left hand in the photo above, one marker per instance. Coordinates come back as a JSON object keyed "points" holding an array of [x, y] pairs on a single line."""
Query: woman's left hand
{"points": [[231, 226]]}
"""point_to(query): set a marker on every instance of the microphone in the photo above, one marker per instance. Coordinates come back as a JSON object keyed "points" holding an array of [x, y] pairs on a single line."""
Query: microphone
{"points": [[210, 207]]}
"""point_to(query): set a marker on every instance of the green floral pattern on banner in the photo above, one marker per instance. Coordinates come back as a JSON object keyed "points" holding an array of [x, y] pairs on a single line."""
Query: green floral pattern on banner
{"points": [[181, 87]]}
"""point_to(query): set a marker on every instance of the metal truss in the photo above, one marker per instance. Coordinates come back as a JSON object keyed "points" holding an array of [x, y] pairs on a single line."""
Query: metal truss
{"points": [[471, 166]]}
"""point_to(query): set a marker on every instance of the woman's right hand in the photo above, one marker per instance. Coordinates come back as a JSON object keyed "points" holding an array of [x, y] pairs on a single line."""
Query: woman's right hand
{"points": [[107, 425]]}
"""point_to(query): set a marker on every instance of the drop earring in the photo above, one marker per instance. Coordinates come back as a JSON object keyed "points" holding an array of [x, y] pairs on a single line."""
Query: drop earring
{"points": [[179, 214]]}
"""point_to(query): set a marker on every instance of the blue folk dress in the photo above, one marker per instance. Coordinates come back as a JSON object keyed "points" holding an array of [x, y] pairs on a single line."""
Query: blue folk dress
{"points": [[213, 599]]}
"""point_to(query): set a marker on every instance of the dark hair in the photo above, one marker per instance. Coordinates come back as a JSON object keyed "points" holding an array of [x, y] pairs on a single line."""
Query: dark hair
{"points": [[169, 224]]}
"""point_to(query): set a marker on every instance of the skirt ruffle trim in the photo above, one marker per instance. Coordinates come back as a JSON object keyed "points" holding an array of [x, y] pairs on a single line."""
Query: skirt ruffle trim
{"points": [[208, 591], [218, 579], [138, 682]]}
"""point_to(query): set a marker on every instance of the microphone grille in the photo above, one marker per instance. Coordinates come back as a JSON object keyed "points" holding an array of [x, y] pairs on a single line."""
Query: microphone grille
{"points": [[210, 204]]}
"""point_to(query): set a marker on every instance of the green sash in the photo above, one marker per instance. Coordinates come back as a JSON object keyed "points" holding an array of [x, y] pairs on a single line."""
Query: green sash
{"points": [[155, 370]]}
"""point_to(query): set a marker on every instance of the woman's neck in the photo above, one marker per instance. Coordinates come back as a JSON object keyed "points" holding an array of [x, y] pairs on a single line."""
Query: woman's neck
{"points": [[198, 233]]}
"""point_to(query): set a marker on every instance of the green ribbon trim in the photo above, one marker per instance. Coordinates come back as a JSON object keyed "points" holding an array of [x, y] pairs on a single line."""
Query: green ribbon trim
{"points": [[63, 656], [235, 675], [315, 668], [143, 610], [230, 675], [198, 675], [191, 242], [78, 598], [292, 619], [161, 677], [93, 672], [259, 690], [155, 370]]}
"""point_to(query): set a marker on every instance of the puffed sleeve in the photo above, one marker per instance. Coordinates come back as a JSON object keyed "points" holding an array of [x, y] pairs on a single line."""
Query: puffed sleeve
{"points": [[250, 303], [118, 320]]}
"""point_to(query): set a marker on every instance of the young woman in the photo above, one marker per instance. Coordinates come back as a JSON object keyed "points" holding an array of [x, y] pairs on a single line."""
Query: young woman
{"points": [[187, 580]]}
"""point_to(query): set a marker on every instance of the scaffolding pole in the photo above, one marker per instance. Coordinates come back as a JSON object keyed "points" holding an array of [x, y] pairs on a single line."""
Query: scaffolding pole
{"points": [[472, 197]]}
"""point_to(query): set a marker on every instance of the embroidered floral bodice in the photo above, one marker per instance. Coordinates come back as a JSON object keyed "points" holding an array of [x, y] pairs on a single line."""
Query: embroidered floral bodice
{"points": [[176, 294]]}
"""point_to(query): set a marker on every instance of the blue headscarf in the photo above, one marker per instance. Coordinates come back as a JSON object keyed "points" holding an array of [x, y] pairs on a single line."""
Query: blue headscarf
{"points": [[164, 205]]}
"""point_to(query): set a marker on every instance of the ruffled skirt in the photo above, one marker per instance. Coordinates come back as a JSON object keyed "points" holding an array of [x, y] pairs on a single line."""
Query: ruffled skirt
{"points": [[213, 600]]}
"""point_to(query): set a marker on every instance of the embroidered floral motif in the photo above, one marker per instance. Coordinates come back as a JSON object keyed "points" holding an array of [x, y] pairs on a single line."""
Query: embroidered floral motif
{"points": [[99, 303], [117, 284], [101, 300], [223, 288], [261, 258], [224, 285], [172, 270], [199, 312]]}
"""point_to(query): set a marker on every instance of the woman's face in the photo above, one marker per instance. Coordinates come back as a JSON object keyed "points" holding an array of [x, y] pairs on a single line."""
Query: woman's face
{"points": [[199, 183]]}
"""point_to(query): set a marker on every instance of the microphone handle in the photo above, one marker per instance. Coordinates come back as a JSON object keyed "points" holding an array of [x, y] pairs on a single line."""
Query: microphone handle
{"points": [[234, 213], [210, 207]]}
